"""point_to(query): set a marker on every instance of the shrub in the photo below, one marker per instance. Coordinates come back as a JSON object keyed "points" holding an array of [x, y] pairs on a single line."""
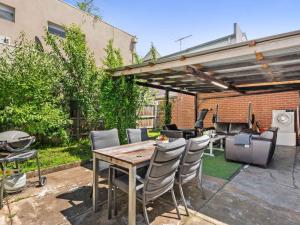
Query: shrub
{"points": [[30, 94]]}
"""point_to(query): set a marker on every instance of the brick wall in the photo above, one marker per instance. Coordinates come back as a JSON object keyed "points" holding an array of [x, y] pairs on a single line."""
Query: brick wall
{"points": [[183, 112], [235, 109]]}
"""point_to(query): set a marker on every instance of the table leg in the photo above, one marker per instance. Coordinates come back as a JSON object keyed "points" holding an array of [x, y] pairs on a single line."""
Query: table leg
{"points": [[211, 146], [95, 183], [222, 143], [132, 196]]}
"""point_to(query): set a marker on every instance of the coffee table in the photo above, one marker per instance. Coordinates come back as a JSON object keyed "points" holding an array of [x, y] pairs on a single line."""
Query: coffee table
{"points": [[220, 138]]}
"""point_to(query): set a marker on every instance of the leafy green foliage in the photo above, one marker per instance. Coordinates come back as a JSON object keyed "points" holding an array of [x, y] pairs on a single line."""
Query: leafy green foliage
{"points": [[168, 113], [137, 58], [89, 7], [81, 80], [120, 98], [30, 94]]}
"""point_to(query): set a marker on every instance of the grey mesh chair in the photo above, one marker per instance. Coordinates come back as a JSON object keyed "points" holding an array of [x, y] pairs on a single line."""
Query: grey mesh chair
{"points": [[104, 139], [191, 165], [137, 135], [159, 178]]}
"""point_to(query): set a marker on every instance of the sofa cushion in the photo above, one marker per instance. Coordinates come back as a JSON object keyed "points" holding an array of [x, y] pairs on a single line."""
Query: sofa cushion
{"points": [[235, 128], [242, 139], [221, 127]]}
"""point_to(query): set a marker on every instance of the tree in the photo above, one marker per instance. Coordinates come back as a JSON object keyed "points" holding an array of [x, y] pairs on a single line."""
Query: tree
{"points": [[153, 52], [81, 80], [121, 98], [89, 7]]}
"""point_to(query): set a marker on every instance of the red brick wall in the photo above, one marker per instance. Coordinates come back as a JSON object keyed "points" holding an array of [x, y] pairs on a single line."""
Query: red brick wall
{"points": [[183, 112], [235, 109]]}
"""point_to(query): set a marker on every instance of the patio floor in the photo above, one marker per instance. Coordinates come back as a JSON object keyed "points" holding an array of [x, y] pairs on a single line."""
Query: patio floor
{"points": [[254, 196]]}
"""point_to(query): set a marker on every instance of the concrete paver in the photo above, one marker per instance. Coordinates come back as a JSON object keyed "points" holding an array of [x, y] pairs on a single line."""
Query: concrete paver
{"points": [[254, 196]]}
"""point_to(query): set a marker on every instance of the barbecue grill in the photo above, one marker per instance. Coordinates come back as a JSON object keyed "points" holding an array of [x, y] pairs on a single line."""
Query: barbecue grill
{"points": [[15, 148]]}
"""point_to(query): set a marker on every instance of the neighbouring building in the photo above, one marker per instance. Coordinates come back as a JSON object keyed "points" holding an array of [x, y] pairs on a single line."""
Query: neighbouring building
{"points": [[33, 17]]}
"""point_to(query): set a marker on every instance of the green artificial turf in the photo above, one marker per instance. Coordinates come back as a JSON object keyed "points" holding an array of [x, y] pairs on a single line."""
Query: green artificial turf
{"points": [[218, 167]]}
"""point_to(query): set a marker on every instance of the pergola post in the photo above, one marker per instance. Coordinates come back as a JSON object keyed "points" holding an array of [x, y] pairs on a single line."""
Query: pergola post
{"points": [[167, 97], [196, 106]]}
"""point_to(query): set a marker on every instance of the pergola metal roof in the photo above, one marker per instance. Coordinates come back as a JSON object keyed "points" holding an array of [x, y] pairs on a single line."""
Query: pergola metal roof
{"points": [[271, 63]]}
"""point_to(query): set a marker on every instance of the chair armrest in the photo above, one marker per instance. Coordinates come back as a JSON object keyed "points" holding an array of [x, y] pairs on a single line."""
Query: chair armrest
{"points": [[258, 138]]}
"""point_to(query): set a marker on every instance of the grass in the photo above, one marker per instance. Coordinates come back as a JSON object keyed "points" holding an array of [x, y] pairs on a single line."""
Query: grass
{"points": [[55, 156], [218, 167], [153, 134]]}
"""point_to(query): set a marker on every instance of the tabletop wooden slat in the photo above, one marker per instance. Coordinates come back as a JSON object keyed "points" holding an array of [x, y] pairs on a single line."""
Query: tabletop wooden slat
{"points": [[132, 153]]}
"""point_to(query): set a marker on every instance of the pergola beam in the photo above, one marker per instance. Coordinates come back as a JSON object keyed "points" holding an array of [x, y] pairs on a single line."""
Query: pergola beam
{"points": [[193, 70], [164, 88], [267, 63], [269, 83]]}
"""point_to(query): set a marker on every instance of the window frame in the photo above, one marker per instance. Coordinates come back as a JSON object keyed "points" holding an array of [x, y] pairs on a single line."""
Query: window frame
{"points": [[56, 29], [7, 12]]}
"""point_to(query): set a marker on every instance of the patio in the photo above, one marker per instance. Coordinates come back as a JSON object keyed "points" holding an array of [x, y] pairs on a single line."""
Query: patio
{"points": [[253, 196]]}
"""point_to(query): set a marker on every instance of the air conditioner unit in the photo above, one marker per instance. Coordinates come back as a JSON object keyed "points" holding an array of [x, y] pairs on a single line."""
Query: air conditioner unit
{"points": [[5, 40]]}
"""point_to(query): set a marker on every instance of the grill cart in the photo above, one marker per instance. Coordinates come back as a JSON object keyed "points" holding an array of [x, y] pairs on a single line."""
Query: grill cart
{"points": [[14, 149]]}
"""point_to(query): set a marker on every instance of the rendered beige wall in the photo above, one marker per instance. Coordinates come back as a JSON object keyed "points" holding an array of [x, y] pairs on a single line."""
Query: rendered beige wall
{"points": [[32, 17]]}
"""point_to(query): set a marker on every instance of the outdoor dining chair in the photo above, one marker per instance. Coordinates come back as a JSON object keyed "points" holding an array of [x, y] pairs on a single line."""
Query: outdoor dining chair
{"points": [[137, 135], [159, 178], [191, 165], [104, 139]]}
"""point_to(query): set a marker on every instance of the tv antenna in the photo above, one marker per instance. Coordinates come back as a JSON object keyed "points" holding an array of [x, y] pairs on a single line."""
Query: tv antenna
{"points": [[182, 39]]}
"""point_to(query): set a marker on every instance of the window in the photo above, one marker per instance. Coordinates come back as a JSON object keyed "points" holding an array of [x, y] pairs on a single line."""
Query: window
{"points": [[56, 29], [7, 12]]}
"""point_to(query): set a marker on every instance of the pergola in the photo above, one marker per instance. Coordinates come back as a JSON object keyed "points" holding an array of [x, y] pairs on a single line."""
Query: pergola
{"points": [[266, 65]]}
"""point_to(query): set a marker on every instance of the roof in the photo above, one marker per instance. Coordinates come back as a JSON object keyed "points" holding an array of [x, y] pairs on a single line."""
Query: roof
{"points": [[236, 37], [263, 64], [148, 56], [100, 20]]}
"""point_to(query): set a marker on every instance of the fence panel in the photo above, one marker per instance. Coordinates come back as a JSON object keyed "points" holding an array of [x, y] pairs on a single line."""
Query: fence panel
{"points": [[147, 116]]}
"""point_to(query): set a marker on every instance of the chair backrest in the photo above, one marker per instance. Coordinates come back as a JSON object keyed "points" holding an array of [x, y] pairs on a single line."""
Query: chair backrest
{"points": [[172, 134], [191, 160], [104, 139], [164, 163], [171, 127], [136, 135]]}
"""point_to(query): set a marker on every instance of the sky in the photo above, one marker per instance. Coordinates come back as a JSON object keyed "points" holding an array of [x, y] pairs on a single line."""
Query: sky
{"points": [[164, 21]]}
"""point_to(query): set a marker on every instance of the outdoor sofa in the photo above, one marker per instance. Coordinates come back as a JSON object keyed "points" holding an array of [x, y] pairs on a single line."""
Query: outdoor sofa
{"points": [[172, 131], [230, 128], [259, 151]]}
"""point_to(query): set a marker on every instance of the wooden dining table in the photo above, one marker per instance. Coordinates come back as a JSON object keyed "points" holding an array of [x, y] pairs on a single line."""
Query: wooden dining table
{"points": [[130, 157]]}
